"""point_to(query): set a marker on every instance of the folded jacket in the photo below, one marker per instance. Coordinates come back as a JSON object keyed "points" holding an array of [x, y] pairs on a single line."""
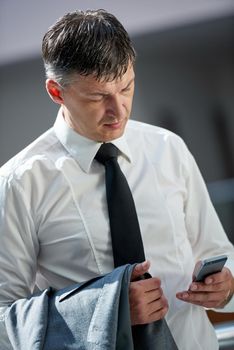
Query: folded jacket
{"points": [[84, 316]]}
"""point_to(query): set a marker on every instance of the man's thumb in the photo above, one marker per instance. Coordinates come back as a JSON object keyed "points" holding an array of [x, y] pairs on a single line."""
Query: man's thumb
{"points": [[140, 269]]}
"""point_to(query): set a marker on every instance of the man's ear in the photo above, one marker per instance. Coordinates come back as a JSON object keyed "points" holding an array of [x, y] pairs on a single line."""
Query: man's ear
{"points": [[54, 90]]}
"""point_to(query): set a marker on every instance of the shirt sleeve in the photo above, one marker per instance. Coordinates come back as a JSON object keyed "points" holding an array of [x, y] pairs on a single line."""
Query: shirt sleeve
{"points": [[229, 307], [205, 231], [18, 248]]}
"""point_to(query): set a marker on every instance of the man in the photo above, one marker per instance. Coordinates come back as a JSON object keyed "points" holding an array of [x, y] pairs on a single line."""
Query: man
{"points": [[54, 225]]}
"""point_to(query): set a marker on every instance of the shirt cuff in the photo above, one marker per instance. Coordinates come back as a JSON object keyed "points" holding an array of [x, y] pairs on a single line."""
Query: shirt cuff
{"points": [[229, 307]]}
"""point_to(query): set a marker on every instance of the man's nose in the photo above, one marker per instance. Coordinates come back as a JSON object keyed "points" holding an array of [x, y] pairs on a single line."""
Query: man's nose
{"points": [[115, 106]]}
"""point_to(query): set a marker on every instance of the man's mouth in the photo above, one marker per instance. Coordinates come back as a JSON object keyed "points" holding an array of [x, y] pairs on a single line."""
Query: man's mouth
{"points": [[114, 125]]}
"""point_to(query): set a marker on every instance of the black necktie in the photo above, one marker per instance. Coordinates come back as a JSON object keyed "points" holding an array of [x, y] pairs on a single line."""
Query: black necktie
{"points": [[127, 243], [125, 231]]}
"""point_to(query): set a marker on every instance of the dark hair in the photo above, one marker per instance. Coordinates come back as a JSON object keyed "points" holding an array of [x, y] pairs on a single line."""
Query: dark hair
{"points": [[91, 42]]}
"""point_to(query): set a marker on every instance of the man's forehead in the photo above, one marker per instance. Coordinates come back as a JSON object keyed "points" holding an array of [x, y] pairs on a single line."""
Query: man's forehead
{"points": [[90, 82]]}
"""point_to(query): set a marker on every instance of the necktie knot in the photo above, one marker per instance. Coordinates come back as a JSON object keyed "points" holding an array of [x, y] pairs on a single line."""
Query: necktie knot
{"points": [[106, 152]]}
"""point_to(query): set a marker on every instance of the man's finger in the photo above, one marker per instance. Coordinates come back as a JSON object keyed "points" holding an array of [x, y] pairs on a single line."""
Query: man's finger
{"points": [[140, 269], [219, 277]]}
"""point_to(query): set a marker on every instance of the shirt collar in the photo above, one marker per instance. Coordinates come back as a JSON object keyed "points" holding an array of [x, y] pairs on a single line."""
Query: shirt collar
{"points": [[81, 148]]}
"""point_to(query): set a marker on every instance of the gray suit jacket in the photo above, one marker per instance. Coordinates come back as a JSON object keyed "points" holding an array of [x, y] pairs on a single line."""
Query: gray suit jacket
{"points": [[85, 316]]}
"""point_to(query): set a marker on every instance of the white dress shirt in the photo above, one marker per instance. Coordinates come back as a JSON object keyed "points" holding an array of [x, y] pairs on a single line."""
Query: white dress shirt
{"points": [[54, 226]]}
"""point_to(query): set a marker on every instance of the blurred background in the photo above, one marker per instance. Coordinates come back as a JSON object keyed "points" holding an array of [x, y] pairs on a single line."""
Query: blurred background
{"points": [[185, 78]]}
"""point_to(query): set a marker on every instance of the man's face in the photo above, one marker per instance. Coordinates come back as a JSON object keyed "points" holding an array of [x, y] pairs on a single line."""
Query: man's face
{"points": [[99, 110]]}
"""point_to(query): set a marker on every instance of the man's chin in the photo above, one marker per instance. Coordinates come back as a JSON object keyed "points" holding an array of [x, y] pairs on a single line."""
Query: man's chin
{"points": [[111, 135], [112, 131]]}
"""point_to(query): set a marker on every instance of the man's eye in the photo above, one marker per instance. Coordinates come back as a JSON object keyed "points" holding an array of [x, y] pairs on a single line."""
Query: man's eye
{"points": [[127, 89], [97, 98]]}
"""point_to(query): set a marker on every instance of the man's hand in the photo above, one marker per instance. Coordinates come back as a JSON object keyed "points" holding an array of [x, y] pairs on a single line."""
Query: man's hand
{"points": [[214, 292], [147, 302]]}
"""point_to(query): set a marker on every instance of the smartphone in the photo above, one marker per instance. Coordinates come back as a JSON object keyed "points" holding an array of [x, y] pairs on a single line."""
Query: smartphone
{"points": [[209, 266]]}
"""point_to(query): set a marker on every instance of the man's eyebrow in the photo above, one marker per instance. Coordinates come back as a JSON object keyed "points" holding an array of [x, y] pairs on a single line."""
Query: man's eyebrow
{"points": [[102, 93], [129, 83], [97, 93]]}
